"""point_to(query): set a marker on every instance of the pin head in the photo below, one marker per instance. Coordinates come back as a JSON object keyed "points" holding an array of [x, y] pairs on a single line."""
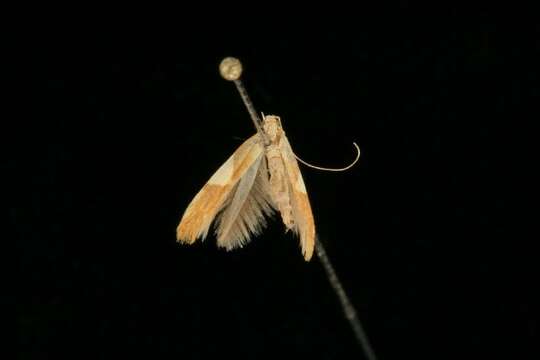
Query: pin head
{"points": [[230, 68]]}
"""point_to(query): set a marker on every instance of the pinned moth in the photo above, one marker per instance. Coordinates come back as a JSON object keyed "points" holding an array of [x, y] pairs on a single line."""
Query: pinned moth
{"points": [[260, 177]]}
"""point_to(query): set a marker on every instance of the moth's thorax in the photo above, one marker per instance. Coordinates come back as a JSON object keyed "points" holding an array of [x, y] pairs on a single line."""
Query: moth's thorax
{"points": [[272, 127]]}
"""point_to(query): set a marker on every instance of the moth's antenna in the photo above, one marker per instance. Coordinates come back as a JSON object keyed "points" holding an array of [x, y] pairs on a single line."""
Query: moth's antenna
{"points": [[333, 169], [230, 69]]}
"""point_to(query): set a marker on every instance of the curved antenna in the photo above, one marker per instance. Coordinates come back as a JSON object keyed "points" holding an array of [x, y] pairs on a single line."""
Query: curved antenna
{"points": [[333, 169]]}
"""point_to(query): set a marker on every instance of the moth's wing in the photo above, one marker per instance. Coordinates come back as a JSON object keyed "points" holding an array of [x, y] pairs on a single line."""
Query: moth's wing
{"points": [[304, 224], [204, 207], [245, 209]]}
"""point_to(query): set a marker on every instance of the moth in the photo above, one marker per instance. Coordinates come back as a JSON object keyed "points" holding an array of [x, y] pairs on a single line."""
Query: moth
{"points": [[260, 178]]}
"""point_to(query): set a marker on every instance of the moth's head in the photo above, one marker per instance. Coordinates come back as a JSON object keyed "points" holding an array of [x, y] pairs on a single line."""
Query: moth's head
{"points": [[272, 126]]}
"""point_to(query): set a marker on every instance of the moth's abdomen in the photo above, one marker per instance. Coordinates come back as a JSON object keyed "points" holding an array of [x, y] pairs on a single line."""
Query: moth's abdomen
{"points": [[279, 185]]}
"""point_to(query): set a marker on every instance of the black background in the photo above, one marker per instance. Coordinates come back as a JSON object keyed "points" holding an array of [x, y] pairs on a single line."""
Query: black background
{"points": [[426, 231]]}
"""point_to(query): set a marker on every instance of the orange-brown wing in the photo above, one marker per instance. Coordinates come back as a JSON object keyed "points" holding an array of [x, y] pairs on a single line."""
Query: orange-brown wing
{"points": [[204, 207], [304, 224]]}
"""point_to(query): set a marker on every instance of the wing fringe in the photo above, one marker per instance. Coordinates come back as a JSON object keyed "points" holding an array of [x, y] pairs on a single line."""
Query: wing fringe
{"points": [[244, 211]]}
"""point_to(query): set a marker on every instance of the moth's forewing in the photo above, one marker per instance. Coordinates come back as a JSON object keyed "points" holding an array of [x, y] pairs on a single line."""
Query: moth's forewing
{"points": [[303, 216], [204, 207]]}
